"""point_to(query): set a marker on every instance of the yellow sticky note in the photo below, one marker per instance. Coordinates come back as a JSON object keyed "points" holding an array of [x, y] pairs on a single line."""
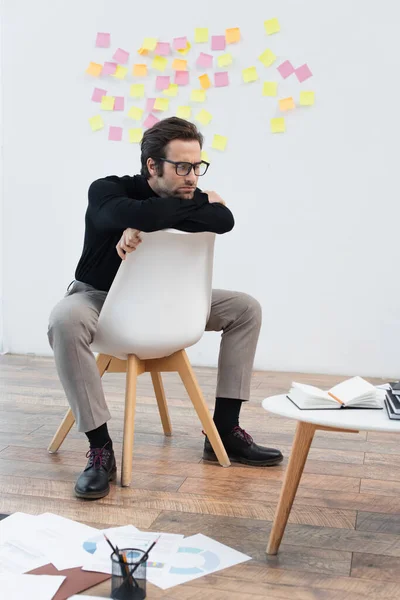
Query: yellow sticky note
{"points": [[120, 72], [270, 88], [219, 142], [184, 51], [179, 64], [161, 104], [224, 60], [232, 35], [172, 90], [272, 26], [201, 35], [267, 57], [159, 63], [139, 70], [278, 125], [205, 81], [307, 98], [204, 117], [94, 69], [107, 103], [198, 96], [135, 135], [184, 112], [135, 113], [286, 104], [204, 156], [143, 52], [96, 123], [137, 90], [250, 74], [149, 44]]}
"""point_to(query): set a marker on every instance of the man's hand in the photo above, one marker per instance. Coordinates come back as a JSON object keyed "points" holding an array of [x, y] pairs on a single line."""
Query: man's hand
{"points": [[129, 241], [213, 197]]}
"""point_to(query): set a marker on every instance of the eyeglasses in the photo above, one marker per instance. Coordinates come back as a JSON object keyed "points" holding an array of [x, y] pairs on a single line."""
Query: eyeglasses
{"points": [[184, 168]]}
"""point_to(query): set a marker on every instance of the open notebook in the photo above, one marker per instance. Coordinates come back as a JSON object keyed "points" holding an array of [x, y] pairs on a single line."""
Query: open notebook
{"points": [[352, 393]]}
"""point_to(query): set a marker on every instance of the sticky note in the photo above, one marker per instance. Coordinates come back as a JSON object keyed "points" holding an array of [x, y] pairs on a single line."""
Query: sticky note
{"points": [[139, 70], [109, 68], [135, 113], [161, 104], [221, 79], [103, 40], [150, 121], [204, 60], [204, 117], [224, 60], [270, 88], [159, 63], [98, 94], [107, 103], [149, 44], [115, 134], [181, 77], [267, 57], [120, 72], [121, 56], [96, 123], [135, 135], [307, 98], [204, 156], [201, 35], [205, 81], [137, 90], [303, 73], [143, 52], [219, 142], [249, 74], [172, 90], [272, 26], [179, 64], [218, 42], [232, 35], [179, 43], [163, 48], [162, 82], [278, 125], [150, 104], [183, 112], [94, 69], [119, 103], [286, 104], [286, 69], [184, 51], [198, 96]]}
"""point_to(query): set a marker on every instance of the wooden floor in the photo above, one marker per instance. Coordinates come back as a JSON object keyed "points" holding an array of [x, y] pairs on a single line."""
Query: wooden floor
{"points": [[343, 538]]}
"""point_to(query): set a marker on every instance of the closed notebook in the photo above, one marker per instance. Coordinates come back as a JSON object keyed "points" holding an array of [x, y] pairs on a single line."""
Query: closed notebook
{"points": [[393, 401], [391, 414], [351, 393], [395, 386]]}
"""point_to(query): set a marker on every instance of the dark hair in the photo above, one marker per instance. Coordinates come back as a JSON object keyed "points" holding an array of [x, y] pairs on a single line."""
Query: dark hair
{"points": [[157, 137]]}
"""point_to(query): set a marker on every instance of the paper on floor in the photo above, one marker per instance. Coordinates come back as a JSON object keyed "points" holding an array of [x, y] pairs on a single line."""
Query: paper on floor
{"points": [[34, 587]]}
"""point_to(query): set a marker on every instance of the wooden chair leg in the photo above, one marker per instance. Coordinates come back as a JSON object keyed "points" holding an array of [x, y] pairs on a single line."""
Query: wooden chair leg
{"points": [[298, 456], [68, 421], [129, 419], [189, 380], [162, 402]]}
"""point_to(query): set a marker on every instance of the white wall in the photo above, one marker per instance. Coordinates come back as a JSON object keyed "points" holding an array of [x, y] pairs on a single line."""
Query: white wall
{"points": [[317, 209]]}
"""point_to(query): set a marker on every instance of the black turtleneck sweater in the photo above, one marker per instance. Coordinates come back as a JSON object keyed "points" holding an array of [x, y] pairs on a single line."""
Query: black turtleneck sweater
{"points": [[116, 203]]}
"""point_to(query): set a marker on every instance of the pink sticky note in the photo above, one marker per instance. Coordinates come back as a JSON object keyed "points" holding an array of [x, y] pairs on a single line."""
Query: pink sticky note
{"points": [[180, 43], [218, 42], [182, 77], [204, 60], [119, 103], [115, 134], [303, 73], [221, 79], [150, 121], [109, 68], [162, 82], [286, 69], [98, 94], [121, 56], [103, 40], [150, 104], [163, 49]]}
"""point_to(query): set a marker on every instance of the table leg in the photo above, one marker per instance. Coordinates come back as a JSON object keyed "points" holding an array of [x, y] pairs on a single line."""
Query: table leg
{"points": [[301, 445]]}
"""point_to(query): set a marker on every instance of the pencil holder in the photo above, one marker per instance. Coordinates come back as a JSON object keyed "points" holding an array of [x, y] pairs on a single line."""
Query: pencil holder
{"points": [[128, 581]]}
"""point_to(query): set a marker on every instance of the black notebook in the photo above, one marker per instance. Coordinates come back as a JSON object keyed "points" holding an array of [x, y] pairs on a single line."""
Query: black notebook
{"points": [[393, 401], [395, 386], [391, 414]]}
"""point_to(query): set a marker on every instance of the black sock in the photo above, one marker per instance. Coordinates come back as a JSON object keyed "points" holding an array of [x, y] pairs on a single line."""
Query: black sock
{"points": [[226, 414], [99, 437]]}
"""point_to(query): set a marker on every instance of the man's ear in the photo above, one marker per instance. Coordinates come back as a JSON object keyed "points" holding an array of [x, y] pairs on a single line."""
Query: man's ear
{"points": [[151, 165]]}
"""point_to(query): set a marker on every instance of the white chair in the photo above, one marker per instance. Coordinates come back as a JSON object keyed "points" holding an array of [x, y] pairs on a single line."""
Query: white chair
{"points": [[157, 306]]}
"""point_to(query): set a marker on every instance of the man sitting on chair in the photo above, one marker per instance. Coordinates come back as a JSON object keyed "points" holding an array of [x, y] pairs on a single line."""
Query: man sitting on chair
{"points": [[163, 196]]}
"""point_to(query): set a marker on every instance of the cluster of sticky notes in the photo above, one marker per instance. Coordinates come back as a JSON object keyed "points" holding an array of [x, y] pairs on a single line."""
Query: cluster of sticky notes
{"points": [[302, 73]]}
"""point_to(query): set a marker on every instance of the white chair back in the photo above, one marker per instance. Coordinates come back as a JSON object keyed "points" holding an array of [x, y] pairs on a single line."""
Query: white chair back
{"points": [[160, 299]]}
